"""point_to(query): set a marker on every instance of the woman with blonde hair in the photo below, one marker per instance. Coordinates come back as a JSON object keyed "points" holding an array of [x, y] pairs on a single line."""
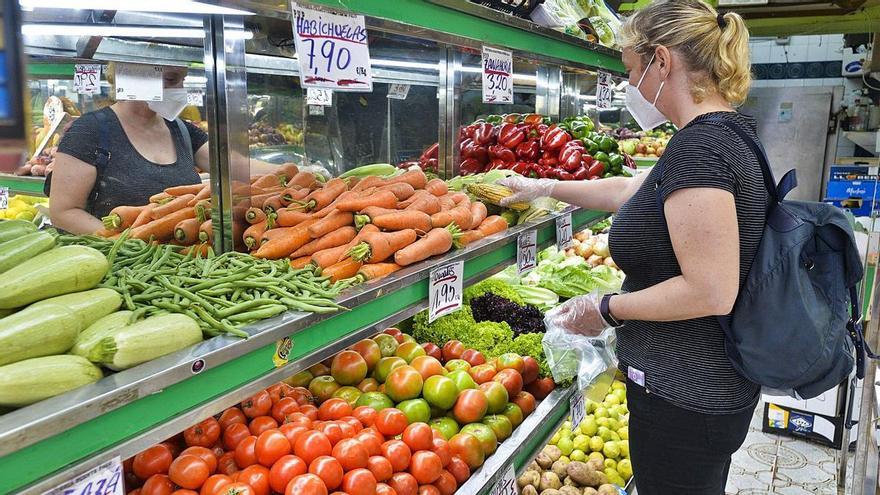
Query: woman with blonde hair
{"points": [[685, 234]]}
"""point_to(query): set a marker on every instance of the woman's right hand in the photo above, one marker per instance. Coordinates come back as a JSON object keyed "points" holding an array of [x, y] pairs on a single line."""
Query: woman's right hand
{"points": [[525, 190]]}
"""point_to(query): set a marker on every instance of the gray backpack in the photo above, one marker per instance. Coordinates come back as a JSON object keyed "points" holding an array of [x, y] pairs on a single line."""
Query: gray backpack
{"points": [[796, 326]]}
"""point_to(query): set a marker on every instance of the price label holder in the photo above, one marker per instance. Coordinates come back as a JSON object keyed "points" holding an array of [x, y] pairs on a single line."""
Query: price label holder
{"points": [[105, 479], [319, 96], [563, 231], [526, 251], [332, 48], [604, 91], [445, 290], [138, 82], [397, 91], [87, 78], [4, 198], [283, 347], [497, 75], [506, 485], [577, 407], [195, 97]]}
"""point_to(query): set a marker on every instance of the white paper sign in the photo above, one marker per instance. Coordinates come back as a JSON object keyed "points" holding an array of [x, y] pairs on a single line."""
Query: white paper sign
{"points": [[577, 408], [526, 251], [319, 96], [316, 110], [105, 479], [497, 75], [4, 198], [332, 50], [604, 92], [398, 91], [195, 97], [139, 82], [506, 485], [563, 232], [87, 78], [445, 290]]}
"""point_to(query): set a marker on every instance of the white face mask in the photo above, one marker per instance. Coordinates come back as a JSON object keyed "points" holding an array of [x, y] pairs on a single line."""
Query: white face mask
{"points": [[173, 102], [645, 112]]}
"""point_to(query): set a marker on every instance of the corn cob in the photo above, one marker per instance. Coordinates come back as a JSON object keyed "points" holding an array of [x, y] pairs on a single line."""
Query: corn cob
{"points": [[493, 194]]}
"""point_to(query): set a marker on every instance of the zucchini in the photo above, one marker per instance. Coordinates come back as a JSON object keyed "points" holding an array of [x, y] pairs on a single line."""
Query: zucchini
{"points": [[37, 331], [15, 251], [145, 340], [32, 380], [104, 327], [6, 312], [88, 306], [13, 229], [58, 271]]}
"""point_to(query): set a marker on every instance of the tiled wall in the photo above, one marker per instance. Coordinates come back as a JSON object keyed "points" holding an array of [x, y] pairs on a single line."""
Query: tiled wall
{"points": [[813, 48]]}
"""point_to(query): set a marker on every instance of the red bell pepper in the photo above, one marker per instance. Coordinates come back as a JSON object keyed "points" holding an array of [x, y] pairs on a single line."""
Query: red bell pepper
{"points": [[429, 165], [528, 150], [483, 133], [499, 152], [532, 118], [581, 173], [554, 138], [510, 135], [570, 156], [512, 118], [430, 152], [495, 164], [597, 168], [563, 175], [464, 144], [522, 168], [470, 166], [537, 131]]}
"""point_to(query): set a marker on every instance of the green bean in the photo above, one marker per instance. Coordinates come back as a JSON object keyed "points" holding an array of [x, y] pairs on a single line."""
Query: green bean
{"points": [[259, 314], [214, 282], [185, 293], [220, 325], [247, 305], [137, 314], [306, 307]]}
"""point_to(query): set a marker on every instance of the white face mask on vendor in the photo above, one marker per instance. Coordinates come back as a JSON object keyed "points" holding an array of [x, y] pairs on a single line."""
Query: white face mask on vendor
{"points": [[645, 112], [173, 102]]}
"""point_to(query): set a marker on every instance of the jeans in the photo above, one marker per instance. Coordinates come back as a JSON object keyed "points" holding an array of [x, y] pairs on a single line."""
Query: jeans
{"points": [[676, 451]]}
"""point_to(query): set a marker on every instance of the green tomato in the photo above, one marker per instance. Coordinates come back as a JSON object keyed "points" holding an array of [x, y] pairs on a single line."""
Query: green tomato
{"points": [[416, 410]]}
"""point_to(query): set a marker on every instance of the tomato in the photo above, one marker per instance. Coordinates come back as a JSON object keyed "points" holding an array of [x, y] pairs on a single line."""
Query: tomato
{"points": [[333, 430], [234, 434], [468, 448], [348, 393], [425, 466], [385, 366], [470, 407], [445, 425], [456, 365], [398, 453], [409, 351], [428, 490], [189, 471], [298, 419], [459, 469], [374, 400], [300, 379], [368, 385], [446, 483], [329, 470], [284, 469], [257, 476], [416, 410], [473, 357], [353, 422], [512, 361], [496, 394], [306, 484], [311, 445], [323, 387], [359, 482], [382, 489], [525, 401], [310, 411], [482, 373], [158, 484], [245, 452], [511, 379], [462, 379], [380, 467], [513, 413], [418, 436], [154, 460], [541, 387], [371, 440], [404, 484], [530, 370], [214, 484], [184, 491], [231, 416], [258, 405], [275, 392], [301, 395], [369, 350], [262, 423], [349, 368], [484, 434], [351, 454], [394, 332], [204, 454], [226, 464], [427, 366], [452, 350], [284, 408], [238, 488], [391, 422], [333, 409], [500, 425], [432, 350], [440, 447], [319, 369], [292, 431], [404, 383], [271, 445]]}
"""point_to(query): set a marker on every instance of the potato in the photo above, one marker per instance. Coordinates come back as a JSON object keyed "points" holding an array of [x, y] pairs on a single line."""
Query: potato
{"points": [[583, 474], [553, 452], [549, 480], [544, 460], [558, 467], [529, 490], [607, 489], [529, 478], [569, 482], [550, 491], [596, 464], [533, 466], [590, 491], [569, 490]]}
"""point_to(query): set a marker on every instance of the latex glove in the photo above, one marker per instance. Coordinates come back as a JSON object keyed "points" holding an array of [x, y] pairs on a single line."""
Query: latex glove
{"points": [[580, 315], [525, 190]]}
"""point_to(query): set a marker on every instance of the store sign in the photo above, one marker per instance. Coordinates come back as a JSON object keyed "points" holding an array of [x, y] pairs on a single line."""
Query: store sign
{"points": [[138, 82], [332, 50], [577, 407], [445, 290], [526, 251], [497, 75], [87, 78], [563, 232], [319, 96], [398, 91], [604, 91], [105, 479], [506, 485], [4, 198], [195, 97]]}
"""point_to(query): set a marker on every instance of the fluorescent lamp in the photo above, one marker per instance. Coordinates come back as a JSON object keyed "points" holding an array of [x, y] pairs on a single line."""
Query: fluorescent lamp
{"points": [[166, 6], [403, 64], [122, 31]]}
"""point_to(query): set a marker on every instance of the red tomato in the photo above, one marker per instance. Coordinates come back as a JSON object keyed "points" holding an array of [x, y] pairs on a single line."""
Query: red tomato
{"points": [[189, 471], [174, 444], [351, 454], [418, 436], [329, 470], [525, 401], [530, 370], [258, 405], [359, 482], [204, 454], [425, 466], [226, 464], [394, 332], [427, 366], [257, 476], [306, 484], [482, 373], [473, 357], [441, 448], [371, 440], [158, 484], [301, 395], [470, 406], [292, 431], [283, 408], [311, 445], [380, 467], [217, 449], [262, 423], [238, 488], [231, 416], [366, 415], [214, 484], [154, 460], [310, 411], [203, 434], [446, 483], [512, 381], [428, 490], [234, 434], [432, 350], [275, 392], [459, 469], [348, 430], [404, 484], [271, 445], [333, 430], [398, 453], [468, 448], [245, 452], [452, 350], [381, 489], [391, 422], [335, 408], [284, 470], [299, 419], [353, 422], [541, 387]]}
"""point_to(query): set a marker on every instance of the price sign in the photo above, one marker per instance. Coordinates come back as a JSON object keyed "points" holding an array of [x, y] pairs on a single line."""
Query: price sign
{"points": [[398, 91], [577, 407], [87, 78], [4, 198], [139, 82], [506, 485], [526, 251], [316, 110], [563, 232], [604, 93], [497, 76], [105, 479], [195, 97], [319, 96], [332, 50], [444, 290]]}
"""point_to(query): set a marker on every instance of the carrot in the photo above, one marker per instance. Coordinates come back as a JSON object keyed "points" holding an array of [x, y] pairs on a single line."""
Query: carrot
{"points": [[205, 193], [346, 268], [367, 229], [437, 187], [381, 246], [400, 189], [457, 198], [203, 209], [292, 194], [257, 191], [160, 197], [254, 215], [492, 225], [270, 234], [428, 203], [206, 232], [272, 204], [332, 206], [259, 200], [412, 219], [478, 213], [171, 206], [368, 182], [121, 217], [320, 198], [254, 233], [460, 215], [268, 180], [303, 179], [292, 239], [203, 249], [382, 199], [162, 229], [185, 189], [331, 222], [375, 211], [328, 257], [287, 170], [420, 194], [144, 217], [437, 241], [446, 203], [186, 231], [330, 240], [375, 271], [106, 233], [468, 237], [415, 178], [300, 262], [288, 217]]}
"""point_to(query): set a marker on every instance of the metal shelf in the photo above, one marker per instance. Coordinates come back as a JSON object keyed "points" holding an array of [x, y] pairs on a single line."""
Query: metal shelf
{"points": [[23, 184], [58, 438]]}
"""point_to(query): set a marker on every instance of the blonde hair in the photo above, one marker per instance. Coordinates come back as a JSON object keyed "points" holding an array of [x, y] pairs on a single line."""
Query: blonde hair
{"points": [[715, 48]]}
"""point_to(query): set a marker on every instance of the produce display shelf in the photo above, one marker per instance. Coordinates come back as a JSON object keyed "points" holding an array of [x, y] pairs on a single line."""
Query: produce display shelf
{"points": [[23, 184], [52, 441]]}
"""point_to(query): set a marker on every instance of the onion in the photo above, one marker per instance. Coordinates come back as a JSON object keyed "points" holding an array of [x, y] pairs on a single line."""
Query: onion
{"points": [[594, 260], [584, 250], [610, 262], [601, 248]]}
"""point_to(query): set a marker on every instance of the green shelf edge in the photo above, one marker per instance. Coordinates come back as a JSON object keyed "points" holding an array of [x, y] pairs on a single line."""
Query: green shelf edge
{"points": [[26, 466], [26, 187]]}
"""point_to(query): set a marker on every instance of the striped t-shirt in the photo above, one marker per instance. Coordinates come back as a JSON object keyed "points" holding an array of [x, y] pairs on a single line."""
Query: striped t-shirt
{"points": [[685, 362]]}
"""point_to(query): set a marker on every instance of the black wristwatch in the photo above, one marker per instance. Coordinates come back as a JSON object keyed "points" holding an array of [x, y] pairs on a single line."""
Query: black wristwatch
{"points": [[605, 311]]}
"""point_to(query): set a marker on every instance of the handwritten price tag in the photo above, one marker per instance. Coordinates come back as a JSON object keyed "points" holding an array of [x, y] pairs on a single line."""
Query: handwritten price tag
{"points": [[87, 78], [139, 82], [195, 97], [577, 408], [333, 50], [398, 91], [4, 198], [497, 76], [506, 485], [105, 479], [604, 93], [526, 251], [444, 290], [319, 96], [563, 232]]}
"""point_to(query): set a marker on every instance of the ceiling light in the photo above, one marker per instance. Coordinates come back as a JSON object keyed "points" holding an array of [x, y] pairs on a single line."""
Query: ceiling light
{"points": [[122, 31], [165, 6]]}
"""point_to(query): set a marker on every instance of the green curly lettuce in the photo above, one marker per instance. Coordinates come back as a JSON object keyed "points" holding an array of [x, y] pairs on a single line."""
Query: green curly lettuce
{"points": [[489, 337], [495, 286]]}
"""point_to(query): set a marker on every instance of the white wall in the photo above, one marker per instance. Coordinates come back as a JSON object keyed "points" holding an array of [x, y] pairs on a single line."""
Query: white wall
{"points": [[812, 48]]}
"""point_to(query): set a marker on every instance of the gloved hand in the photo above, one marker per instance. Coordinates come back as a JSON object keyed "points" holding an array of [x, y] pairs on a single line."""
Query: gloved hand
{"points": [[580, 315], [525, 190]]}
